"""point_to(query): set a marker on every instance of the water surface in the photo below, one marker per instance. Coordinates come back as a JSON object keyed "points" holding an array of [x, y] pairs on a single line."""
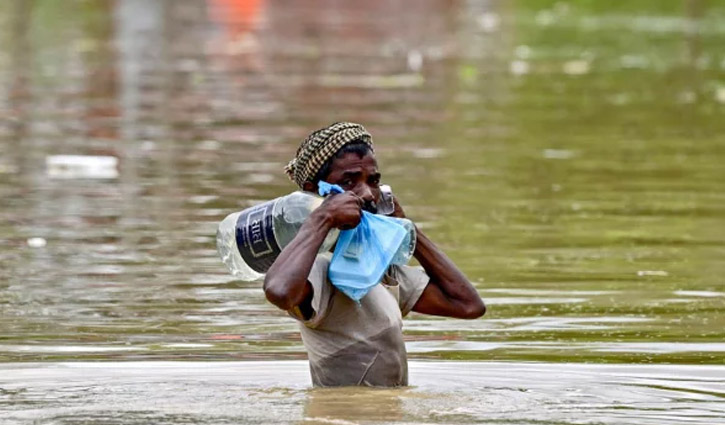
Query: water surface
{"points": [[279, 392], [567, 155]]}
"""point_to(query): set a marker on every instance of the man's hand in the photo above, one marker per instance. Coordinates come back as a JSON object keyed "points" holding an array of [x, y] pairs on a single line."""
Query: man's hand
{"points": [[286, 284], [398, 211], [342, 210], [449, 293]]}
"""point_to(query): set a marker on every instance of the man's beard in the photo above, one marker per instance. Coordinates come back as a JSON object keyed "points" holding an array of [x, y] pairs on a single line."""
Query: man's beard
{"points": [[370, 206]]}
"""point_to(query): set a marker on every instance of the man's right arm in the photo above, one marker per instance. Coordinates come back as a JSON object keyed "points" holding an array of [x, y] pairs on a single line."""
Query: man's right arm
{"points": [[285, 284]]}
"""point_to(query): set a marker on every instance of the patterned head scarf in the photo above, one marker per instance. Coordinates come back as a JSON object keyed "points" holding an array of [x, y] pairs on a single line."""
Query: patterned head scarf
{"points": [[322, 145]]}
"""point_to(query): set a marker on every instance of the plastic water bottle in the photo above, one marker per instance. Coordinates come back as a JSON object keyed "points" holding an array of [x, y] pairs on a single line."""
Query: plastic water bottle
{"points": [[407, 248], [386, 206], [249, 241]]}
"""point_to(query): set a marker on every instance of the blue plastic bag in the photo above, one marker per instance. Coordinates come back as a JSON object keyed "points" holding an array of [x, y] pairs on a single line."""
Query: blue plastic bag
{"points": [[363, 254]]}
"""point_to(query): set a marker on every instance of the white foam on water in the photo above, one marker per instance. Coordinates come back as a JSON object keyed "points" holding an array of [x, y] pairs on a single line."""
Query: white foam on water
{"points": [[706, 294]]}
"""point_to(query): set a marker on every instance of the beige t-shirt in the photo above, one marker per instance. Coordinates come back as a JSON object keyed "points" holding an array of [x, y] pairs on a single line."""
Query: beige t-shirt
{"points": [[359, 344]]}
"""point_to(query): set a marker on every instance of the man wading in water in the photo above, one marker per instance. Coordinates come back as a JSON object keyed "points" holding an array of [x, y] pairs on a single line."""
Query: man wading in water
{"points": [[349, 343]]}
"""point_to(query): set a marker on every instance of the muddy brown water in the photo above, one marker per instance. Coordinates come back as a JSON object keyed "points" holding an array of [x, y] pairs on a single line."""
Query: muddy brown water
{"points": [[567, 155]]}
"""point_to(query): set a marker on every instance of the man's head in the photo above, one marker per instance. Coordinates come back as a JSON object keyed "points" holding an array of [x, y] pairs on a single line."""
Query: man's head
{"points": [[342, 154]]}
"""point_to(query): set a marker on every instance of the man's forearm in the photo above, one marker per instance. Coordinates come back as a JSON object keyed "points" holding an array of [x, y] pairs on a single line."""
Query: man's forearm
{"points": [[285, 284], [442, 271]]}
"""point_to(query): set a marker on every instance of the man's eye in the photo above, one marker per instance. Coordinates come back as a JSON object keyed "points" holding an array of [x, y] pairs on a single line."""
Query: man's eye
{"points": [[346, 182]]}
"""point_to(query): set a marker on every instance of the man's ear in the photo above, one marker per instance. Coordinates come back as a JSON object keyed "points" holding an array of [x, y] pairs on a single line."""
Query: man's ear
{"points": [[309, 187]]}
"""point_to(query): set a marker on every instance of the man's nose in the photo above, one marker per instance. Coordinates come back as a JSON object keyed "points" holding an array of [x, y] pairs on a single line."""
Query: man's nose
{"points": [[365, 192]]}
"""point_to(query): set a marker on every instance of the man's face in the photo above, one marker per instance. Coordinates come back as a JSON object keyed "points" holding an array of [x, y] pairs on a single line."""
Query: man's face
{"points": [[359, 175]]}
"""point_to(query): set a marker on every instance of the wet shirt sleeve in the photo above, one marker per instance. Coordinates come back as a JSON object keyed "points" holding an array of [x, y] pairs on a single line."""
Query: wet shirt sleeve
{"points": [[322, 292], [411, 282]]}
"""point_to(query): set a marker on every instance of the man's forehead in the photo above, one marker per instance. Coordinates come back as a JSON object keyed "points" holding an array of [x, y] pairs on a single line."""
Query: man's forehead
{"points": [[352, 163]]}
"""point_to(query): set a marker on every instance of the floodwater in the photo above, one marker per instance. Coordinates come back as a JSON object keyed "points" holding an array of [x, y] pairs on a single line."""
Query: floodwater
{"points": [[279, 392], [567, 155]]}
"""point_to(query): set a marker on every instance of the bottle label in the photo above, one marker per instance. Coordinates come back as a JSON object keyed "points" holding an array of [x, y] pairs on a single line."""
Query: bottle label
{"points": [[255, 237]]}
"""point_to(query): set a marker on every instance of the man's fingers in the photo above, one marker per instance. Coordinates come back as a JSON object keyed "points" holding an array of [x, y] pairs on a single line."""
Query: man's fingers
{"points": [[359, 200]]}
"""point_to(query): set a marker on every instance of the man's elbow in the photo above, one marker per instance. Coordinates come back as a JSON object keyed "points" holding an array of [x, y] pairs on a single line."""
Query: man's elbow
{"points": [[474, 309], [277, 296]]}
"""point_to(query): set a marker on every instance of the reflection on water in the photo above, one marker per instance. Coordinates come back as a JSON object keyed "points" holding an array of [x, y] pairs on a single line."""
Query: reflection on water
{"points": [[356, 405], [567, 156]]}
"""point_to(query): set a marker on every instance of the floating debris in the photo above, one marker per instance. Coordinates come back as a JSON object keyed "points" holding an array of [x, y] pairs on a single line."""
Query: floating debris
{"points": [[620, 99], [85, 45], [634, 62], [522, 52], [203, 199], [468, 74], [428, 153], [558, 154], [148, 145], [545, 18], [372, 81], [37, 242], [489, 22], [703, 62], [661, 273], [209, 145], [687, 97], [519, 67], [415, 60], [81, 167], [577, 67], [260, 178], [720, 94], [705, 294], [8, 168]]}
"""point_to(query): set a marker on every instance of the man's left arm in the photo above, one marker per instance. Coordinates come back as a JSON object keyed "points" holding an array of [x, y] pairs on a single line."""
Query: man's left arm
{"points": [[448, 293]]}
